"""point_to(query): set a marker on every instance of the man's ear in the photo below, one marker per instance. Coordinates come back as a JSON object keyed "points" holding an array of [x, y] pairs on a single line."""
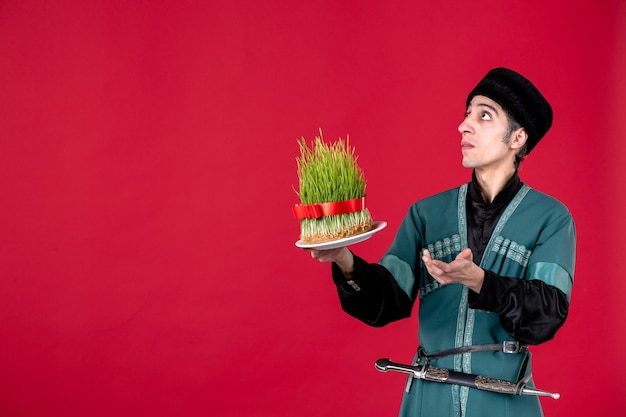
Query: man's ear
{"points": [[519, 138]]}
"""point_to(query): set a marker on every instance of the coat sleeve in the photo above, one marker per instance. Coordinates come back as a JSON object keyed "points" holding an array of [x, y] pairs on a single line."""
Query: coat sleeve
{"points": [[530, 311], [372, 295], [533, 308]]}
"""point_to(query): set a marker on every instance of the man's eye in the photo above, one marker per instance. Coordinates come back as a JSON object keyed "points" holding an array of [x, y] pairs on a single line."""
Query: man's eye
{"points": [[466, 115], [485, 116]]}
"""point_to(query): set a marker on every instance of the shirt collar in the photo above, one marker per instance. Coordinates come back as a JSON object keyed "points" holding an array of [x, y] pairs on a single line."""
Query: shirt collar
{"points": [[504, 197]]}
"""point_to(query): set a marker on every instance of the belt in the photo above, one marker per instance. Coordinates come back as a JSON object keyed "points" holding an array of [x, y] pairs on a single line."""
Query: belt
{"points": [[510, 346]]}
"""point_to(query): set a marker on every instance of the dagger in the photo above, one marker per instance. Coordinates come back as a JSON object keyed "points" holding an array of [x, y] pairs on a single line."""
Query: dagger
{"points": [[428, 372]]}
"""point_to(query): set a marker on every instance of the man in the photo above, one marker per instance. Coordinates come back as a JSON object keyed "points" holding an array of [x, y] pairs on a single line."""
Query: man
{"points": [[491, 261]]}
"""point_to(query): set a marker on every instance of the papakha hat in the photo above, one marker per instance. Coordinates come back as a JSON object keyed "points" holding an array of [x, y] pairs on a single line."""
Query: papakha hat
{"points": [[518, 97]]}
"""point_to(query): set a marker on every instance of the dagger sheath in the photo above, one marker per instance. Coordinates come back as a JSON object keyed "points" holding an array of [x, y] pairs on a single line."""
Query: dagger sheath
{"points": [[434, 374]]}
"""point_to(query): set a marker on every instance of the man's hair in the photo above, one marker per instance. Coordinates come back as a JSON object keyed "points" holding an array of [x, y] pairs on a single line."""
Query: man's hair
{"points": [[513, 126]]}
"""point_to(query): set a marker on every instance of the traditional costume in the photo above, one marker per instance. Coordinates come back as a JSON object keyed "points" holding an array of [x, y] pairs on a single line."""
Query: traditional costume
{"points": [[524, 241]]}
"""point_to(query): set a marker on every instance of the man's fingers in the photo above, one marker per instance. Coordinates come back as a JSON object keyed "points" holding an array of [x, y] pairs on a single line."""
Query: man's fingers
{"points": [[328, 255], [320, 255], [435, 267], [466, 254]]}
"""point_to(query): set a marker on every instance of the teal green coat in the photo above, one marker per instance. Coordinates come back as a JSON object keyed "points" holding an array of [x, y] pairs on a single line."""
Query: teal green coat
{"points": [[534, 239]]}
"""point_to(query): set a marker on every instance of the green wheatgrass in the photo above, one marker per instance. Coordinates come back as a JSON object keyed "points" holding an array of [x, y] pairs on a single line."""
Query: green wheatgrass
{"points": [[328, 172]]}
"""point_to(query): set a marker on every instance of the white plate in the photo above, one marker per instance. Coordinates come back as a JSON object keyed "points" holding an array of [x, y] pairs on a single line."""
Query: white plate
{"points": [[376, 227]]}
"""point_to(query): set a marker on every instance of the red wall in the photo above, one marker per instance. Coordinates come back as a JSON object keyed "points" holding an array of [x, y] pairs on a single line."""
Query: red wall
{"points": [[147, 166]]}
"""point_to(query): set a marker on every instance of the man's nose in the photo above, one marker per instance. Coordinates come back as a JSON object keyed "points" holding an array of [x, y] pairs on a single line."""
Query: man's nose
{"points": [[465, 126]]}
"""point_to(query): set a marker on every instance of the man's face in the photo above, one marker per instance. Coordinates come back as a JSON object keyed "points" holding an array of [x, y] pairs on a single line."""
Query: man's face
{"points": [[482, 133]]}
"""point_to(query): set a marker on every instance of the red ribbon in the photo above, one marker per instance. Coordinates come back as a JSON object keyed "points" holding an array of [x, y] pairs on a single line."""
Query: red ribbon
{"points": [[315, 211]]}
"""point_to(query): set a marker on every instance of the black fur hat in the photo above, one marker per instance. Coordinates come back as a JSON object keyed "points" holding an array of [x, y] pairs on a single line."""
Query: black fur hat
{"points": [[520, 98]]}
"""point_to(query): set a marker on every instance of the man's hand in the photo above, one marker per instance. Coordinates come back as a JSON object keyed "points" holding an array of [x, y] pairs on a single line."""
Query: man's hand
{"points": [[341, 256], [462, 270]]}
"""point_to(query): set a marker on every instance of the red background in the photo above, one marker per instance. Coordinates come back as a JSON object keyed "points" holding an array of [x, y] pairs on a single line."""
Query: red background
{"points": [[147, 166]]}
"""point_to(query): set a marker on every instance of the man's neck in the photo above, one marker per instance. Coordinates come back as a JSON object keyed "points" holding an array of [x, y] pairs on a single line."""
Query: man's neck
{"points": [[492, 182]]}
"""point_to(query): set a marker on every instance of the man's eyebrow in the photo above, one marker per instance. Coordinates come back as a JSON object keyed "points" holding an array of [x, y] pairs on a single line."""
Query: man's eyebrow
{"points": [[489, 106]]}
